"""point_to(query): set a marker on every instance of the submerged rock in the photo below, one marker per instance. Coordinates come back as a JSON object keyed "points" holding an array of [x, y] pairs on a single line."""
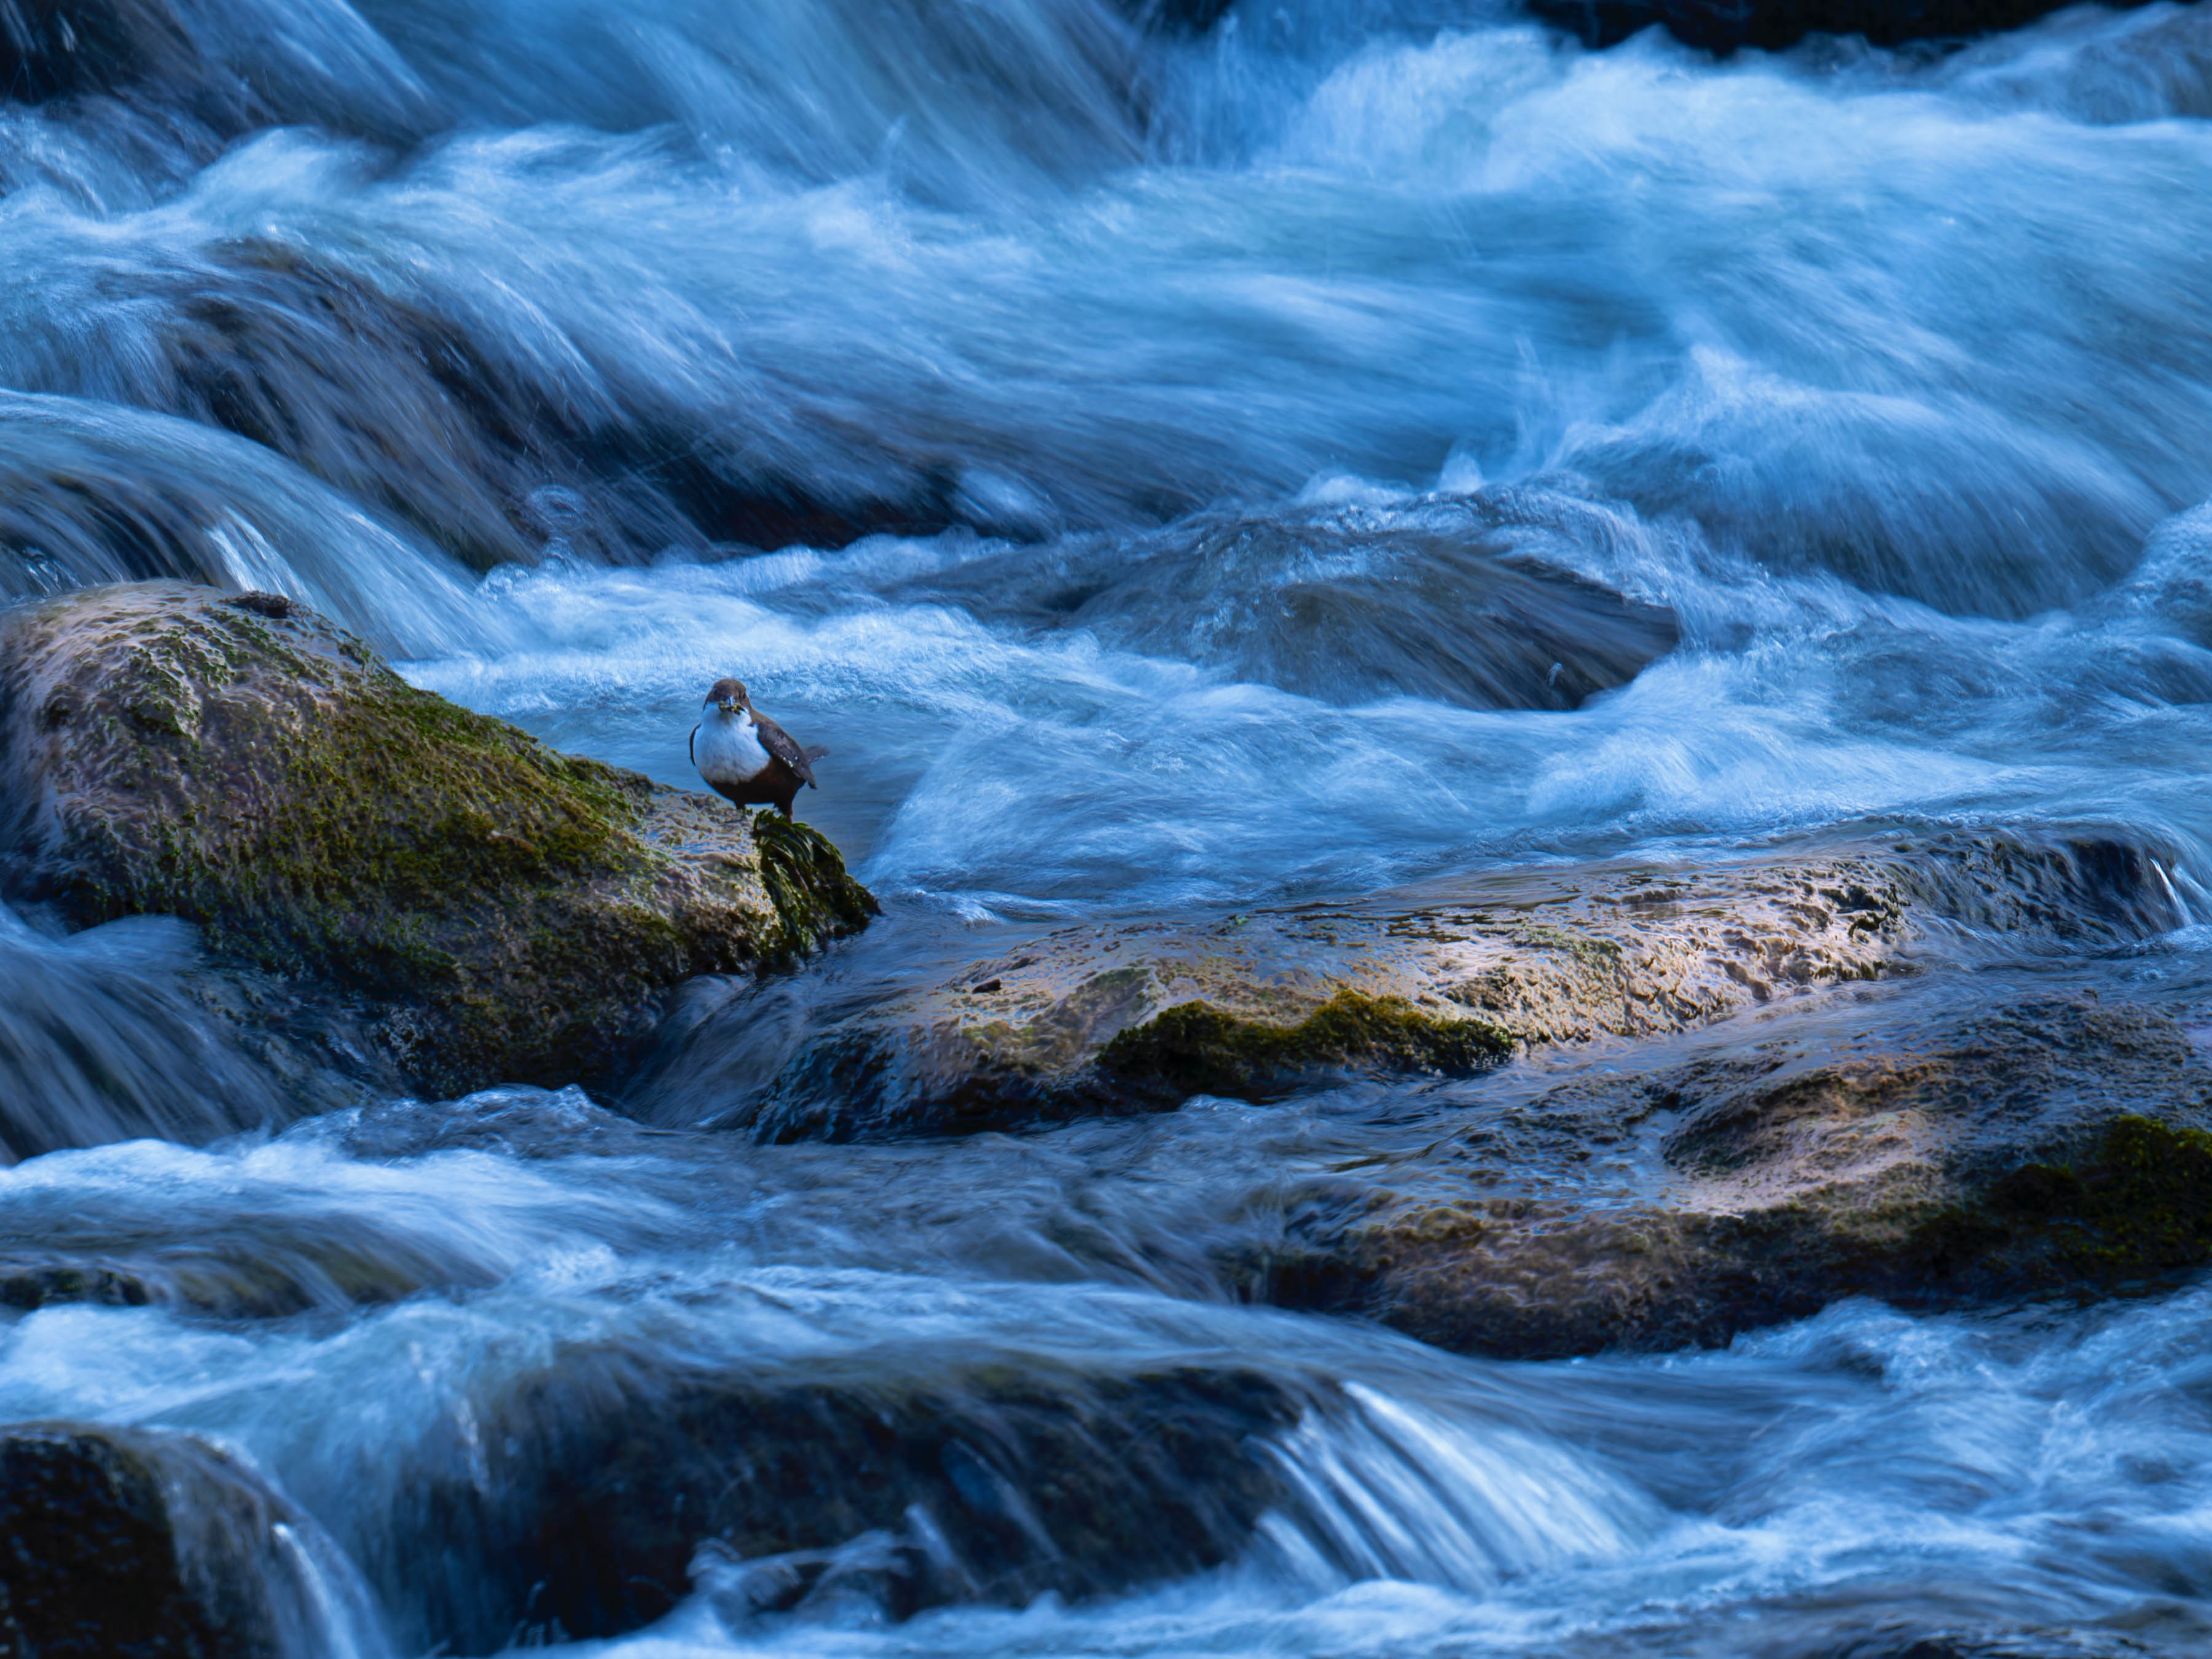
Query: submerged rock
{"points": [[1468, 600], [1727, 25], [1448, 981], [494, 911], [128, 1541], [589, 1501], [2057, 1146]]}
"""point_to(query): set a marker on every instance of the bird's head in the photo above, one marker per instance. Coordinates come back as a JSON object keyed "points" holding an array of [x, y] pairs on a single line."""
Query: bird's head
{"points": [[729, 696]]}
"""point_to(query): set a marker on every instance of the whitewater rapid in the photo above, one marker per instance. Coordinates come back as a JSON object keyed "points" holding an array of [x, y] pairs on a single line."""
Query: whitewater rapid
{"points": [[1170, 472]]}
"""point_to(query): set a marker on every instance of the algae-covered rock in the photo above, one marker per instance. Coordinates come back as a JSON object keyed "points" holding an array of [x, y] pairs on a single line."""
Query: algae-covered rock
{"points": [[2060, 1145], [500, 911], [1446, 980]]}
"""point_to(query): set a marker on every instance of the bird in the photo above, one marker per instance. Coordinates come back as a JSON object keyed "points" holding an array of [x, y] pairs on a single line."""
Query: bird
{"points": [[745, 756]]}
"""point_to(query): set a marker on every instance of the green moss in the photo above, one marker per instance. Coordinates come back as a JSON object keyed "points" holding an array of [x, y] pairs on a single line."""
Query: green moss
{"points": [[330, 820], [2136, 1205], [815, 899], [2140, 1204], [1195, 1048]]}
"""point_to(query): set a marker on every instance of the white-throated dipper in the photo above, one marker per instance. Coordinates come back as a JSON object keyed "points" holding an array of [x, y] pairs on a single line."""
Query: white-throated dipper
{"points": [[745, 756]]}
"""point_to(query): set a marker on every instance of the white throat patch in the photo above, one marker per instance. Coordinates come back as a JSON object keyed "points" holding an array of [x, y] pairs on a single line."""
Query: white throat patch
{"points": [[729, 749]]}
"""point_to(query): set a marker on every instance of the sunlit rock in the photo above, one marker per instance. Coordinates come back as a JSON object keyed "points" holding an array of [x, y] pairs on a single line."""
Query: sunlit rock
{"points": [[493, 911], [1446, 982], [2057, 1147]]}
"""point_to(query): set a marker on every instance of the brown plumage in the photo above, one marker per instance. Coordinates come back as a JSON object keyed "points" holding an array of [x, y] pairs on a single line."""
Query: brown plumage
{"points": [[746, 757]]}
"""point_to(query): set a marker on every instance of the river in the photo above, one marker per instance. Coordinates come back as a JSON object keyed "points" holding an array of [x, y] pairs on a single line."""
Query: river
{"points": [[1107, 442]]}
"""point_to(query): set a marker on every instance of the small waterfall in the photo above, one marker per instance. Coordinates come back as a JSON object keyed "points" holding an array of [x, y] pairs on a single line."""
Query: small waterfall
{"points": [[99, 1042], [1390, 1489], [92, 493]]}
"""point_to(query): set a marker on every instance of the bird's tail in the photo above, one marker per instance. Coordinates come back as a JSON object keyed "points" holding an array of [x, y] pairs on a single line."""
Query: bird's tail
{"points": [[815, 752]]}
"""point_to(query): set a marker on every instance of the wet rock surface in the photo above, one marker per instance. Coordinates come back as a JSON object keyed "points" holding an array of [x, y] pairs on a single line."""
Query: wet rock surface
{"points": [[1727, 25], [1470, 601], [606, 1488], [2054, 1147], [1448, 981], [118, 1542], [481, 908]]}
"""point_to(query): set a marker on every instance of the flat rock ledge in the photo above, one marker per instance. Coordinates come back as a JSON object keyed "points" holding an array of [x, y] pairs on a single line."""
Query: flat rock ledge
{"points": [[484, 908], [1447, 980], [1143, 1015]]}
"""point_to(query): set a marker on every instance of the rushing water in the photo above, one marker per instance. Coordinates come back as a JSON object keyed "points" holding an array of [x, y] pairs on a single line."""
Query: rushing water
{"points": [[1369, 440]]}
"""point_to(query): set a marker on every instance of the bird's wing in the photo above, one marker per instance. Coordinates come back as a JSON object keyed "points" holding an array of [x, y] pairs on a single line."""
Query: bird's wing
{"points": [[691, 745], [778, 743]]}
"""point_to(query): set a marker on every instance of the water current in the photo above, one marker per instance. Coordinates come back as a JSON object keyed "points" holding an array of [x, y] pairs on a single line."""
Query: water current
{"points": [[1170, 471]]}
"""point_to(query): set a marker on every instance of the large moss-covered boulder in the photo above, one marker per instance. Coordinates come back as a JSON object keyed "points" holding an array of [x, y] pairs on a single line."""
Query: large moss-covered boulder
{"points": [[500, 912]]}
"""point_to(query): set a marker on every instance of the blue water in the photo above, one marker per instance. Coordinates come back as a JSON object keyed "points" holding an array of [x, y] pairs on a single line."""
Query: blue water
{"points": [[1098, 440]]}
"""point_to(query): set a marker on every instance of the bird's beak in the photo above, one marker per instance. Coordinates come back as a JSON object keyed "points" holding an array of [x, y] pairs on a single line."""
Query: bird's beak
{"points": [[728, 705]]}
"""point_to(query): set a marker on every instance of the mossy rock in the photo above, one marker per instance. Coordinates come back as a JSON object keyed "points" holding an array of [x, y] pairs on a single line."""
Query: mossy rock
{"points": [[1447, 979], [1195, 1048], [1932, 1157], [2136, 1205], [504, 912]]}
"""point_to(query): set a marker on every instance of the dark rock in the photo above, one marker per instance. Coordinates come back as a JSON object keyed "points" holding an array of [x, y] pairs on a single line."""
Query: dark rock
{"points": [[223, 68], [51, 48], [608, 1484], [35, 1283], [1176, 16], [117, 1542], [498, 911], [1727, 26], [1463, 600], [1717, 25]]}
